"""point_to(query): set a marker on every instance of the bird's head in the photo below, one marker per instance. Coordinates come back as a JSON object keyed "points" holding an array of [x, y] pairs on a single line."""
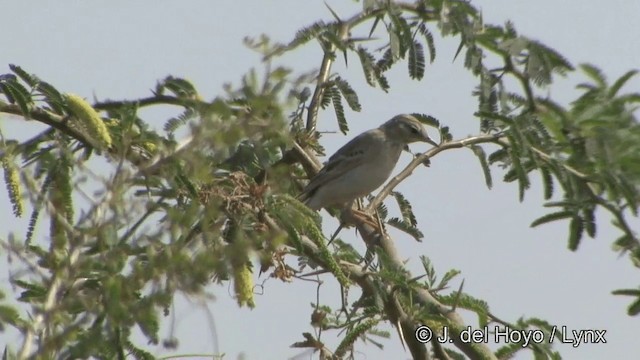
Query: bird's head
{"points": [[406, 129]]}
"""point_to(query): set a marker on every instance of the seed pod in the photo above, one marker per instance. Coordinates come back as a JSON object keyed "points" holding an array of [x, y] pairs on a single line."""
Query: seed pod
{"points": [[89, 120], [243, 285], [14, 190]]}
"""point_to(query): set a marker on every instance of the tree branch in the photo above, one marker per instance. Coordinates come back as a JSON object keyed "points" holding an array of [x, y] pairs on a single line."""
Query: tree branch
{"points": [[46, 117], [421, 158]]}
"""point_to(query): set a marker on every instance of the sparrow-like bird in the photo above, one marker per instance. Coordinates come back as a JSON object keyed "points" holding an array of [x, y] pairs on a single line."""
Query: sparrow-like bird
{"points": [[364, 163]]}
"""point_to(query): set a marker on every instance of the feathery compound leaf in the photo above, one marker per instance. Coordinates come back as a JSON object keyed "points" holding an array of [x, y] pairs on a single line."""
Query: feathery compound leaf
{"points": [[305, 34], [447, 277], [429, 40], [508, 351], [394, 43], [16, 93], [521, 173], [595, 74], [326, 96], [445, 135], [53, 97], [576, 228], [385, 61], [179, 87], [402, 30], [634, 308], [427, 120], [589, 221], [416, 61], [382, 80], [482, 157], [560, 215], [31, 228], [618, 84], [465, 301], [336, 99], [353, 335], [428, 269], [30, 79], [174, 123], [367, 60], [405, 208], [547, 182], [138, 353], [348, 93], [500, 155], [406, 227], [556, 62]]}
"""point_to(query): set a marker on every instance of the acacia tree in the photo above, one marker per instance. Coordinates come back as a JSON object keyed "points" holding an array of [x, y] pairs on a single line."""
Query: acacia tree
{"points": [[225, 199]]}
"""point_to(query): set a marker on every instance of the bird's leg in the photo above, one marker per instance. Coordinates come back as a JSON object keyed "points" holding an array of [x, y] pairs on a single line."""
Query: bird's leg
{"points": [[346, 215], [361, 216], [366, 217]]}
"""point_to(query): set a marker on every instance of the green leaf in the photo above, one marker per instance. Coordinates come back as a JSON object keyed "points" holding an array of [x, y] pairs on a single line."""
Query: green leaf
{"points": [[9, 315], [179, 87], [336, 99], [429, 40], [627, 292], [416, 61], [595, 74], [326, 96], [500, 155], [406, 227], [16, 93], [394, 44], [30, 79], [589, 221], [348, 93], [445, 135], [623, 243], [634, 308], [385, 61], [52, 96], [427, 119], [382, 80], [382, 210], [402, 30], [405, 208], [618, 84], [448, 276], [521, 174], [138, 353], [547, 182], [176, 122], [305, 34], [576, 228], [429, 270], [465, 301], [367, 61], [553, 217], [482, 158]]}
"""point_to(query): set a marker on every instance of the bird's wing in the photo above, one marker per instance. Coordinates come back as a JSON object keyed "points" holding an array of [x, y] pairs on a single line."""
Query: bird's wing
{"points": [[348, 157]]}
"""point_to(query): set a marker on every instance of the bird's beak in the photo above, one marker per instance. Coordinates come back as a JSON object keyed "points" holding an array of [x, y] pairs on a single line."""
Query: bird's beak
{"points": [[427, 139]]}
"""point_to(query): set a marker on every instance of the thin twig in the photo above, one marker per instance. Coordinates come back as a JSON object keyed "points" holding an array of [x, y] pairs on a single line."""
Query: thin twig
{"points": [[421, 158]]}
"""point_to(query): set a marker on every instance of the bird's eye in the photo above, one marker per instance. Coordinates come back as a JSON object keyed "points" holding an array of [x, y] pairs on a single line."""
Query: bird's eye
{"points": [[415, 131]]}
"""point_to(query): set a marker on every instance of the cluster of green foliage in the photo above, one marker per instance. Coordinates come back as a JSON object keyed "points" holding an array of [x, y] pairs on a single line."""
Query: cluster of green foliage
{"points": [[173, 217]]}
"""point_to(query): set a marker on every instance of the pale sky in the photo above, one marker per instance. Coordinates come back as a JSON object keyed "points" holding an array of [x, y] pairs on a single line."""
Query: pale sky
{"points": [[119, 49]]}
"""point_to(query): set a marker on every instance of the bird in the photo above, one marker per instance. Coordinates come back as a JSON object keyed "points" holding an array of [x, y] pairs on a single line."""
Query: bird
{"points": [[363, 164]]}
